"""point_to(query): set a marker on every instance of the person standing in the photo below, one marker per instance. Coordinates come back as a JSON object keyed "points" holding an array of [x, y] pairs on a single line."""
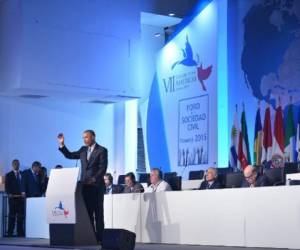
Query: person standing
{"points": [[31, 181], [16, 201], [93, 159]]}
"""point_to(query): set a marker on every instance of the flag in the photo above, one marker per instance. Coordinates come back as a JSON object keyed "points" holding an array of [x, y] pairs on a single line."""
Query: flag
{"points": [[267, 137], [278, 142], [257, 139], [233, 158], [243, 149], [290, 134], [298, 135]]}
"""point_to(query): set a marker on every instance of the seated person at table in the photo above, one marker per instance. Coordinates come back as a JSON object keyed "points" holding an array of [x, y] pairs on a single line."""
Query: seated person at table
{"points": [[157, 184], [211, 181], [110, 188], [253, 179], [131, 185]]}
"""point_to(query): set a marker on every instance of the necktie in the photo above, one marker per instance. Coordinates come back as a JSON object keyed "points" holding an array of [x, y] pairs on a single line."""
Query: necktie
{"points": [[89, 153], [18, 178], [35, 177]]}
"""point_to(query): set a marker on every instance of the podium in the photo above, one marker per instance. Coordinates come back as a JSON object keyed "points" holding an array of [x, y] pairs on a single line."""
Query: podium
{"points": [[67, 216]]}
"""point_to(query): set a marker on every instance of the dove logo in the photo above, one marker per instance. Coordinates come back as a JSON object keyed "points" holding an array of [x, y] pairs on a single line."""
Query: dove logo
{"points": [[188, 60], [60, 211]]}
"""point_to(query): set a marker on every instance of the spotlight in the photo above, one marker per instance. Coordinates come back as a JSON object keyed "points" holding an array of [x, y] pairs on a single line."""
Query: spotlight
{"points": [[171, 14]]}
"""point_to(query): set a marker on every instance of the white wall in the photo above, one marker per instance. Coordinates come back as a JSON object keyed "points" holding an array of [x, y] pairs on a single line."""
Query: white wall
{"points": [[149, 47], [74, 45], [10, 49], [57, 48], [28, 130]]}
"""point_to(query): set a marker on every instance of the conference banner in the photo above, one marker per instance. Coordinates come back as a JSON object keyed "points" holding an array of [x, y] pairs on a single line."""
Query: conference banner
{"points": [[193, 131], [186, 76]]}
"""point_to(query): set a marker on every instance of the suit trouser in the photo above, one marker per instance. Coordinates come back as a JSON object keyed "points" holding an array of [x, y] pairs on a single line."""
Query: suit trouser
{"points": [[93, 197], [16, 211]]}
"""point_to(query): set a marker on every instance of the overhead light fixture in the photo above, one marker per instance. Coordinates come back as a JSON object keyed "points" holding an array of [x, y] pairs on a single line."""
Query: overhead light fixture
{"points": [[157, 34], [171, 14]]}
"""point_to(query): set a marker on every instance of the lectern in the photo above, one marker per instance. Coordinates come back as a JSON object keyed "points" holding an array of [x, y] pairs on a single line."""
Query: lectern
{"points": [[67, 216]]}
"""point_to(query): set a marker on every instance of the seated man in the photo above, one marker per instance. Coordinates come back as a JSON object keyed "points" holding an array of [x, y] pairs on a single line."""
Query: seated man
{"points": [[253, 179], [110, 188], [157, 184], [131, 185], [211, 181]]}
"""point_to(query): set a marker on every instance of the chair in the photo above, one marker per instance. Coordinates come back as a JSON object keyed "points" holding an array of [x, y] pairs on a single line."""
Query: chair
{"points": [[290, 168], [234, 180], [275, 176], [175, 183], [196, 175], [259, 169], [294, 182], [120, 188], [169, 175], [224, 170], [222, 179], [144, 178], [121, 179]]}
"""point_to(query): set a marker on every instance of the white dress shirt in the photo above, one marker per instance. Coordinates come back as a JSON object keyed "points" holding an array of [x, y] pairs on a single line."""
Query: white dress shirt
{"points": [[159, 187], [90, 151]]}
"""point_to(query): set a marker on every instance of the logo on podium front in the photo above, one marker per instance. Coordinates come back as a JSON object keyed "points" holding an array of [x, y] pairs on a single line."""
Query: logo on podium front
{"points": [[60, 210]]}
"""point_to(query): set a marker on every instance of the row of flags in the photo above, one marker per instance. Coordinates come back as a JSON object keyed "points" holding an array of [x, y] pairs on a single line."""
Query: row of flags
{"points": [[282, 141]]}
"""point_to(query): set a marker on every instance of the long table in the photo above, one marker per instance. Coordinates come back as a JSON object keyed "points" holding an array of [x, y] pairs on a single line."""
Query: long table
{"points": [[256, 217]]}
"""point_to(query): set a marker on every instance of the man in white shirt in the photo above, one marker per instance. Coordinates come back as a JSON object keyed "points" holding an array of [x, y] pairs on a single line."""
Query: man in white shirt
{"points": [[157, 184]]}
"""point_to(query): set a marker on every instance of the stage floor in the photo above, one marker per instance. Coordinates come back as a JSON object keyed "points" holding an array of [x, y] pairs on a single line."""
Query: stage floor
{"points": [[43, 244]]}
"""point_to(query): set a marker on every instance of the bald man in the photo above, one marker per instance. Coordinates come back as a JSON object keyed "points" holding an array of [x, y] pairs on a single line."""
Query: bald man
{"points": [[253, 179], [211, 181]]}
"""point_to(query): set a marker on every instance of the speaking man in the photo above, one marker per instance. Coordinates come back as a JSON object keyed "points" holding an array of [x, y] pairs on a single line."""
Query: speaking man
{"points": [[93, 159]]}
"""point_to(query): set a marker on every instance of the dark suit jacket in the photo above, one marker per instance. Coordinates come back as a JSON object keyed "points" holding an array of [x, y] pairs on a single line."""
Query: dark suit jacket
{"points": [[32, 187], [137, 188], [115, 189], [12, 185], [261, 181], [214, 185], [95, 167], [44, 184]]}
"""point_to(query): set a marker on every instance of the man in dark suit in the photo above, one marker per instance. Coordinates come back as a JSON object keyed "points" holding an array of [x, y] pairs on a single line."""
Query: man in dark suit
{"points": [[16, 201], [131, 185], [110, 188], [210, 181], [93, 159], [44, 179], [31, 181], [253, 179]]}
